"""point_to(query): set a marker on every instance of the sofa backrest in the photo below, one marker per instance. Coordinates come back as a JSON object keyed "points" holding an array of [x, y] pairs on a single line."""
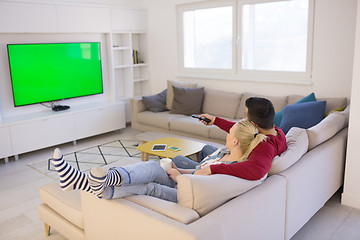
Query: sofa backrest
{"points": [[278, 102], [221, 103], [331, 103], [232, 104]]}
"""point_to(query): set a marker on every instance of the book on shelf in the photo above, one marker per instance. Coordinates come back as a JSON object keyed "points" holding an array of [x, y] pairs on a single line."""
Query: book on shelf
{"points": [[135, 56]]}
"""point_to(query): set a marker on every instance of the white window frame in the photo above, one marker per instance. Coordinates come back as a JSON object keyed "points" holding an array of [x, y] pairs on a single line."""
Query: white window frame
{"points": [[237, 73], [180, 46]]}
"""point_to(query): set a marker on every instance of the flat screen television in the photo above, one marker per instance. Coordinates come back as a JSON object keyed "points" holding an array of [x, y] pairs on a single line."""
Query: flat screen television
{"points": [[46, 72]]}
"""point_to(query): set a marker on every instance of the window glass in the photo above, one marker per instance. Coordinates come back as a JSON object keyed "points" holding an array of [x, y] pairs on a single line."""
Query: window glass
{"points": [[207, 38], [274, 36]]}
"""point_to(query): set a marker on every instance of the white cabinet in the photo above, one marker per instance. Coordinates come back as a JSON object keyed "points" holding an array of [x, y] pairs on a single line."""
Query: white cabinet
{"points": [[100, 120], [5, 142], [27, 17], [83, 19], [128, 20], [130, 77], [33, 132], [41, 133]]}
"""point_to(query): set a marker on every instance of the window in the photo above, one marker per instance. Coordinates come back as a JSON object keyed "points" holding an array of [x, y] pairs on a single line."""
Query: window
{"points": [[274, 39], [274, 36], [208, 38]]}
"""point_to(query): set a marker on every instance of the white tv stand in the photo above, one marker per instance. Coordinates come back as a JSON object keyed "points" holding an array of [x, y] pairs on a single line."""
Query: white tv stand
{"points": [[31, 132]]}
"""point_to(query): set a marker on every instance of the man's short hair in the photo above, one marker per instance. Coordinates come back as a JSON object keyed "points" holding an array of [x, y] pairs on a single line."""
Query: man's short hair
{"points": [[260, 111]]}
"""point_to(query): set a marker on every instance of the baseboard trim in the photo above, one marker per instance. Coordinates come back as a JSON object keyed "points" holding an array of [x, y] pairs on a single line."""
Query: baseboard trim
{"points": [[350, 200]]}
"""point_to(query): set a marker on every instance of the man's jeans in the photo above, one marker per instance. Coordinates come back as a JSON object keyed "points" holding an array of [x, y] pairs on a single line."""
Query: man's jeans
{"points": [[144, 178], [187, 163]]}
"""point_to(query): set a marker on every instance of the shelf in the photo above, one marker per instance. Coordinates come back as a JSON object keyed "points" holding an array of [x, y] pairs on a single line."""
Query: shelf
{"points": [[121, 48], [122, 66], [140, 65], [130, 79], [140, 79]]}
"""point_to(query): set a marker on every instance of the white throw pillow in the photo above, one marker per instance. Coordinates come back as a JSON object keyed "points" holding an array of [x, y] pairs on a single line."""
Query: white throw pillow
{"points": [[325, 129], [170, 91], [297, 145], [205, 193]]}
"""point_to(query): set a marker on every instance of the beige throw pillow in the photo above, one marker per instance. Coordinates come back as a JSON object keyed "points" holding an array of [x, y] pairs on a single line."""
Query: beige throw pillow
{"points": [[170, 92], [205, 193], [297, 145]]}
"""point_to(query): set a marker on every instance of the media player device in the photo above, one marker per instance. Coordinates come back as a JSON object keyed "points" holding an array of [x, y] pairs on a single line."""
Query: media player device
{"points": [[59, 107]]}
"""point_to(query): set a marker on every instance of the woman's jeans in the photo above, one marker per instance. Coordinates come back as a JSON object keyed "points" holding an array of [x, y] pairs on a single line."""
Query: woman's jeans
{"points": [[187, 163], [144, 178]]}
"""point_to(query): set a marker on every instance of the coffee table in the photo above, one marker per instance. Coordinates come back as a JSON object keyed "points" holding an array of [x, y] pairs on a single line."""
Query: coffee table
{"points": [[188, 147]]}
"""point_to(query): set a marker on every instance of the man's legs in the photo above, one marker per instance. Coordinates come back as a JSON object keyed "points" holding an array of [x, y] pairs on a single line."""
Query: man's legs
{"points": [[187, 163], [206, 151]]}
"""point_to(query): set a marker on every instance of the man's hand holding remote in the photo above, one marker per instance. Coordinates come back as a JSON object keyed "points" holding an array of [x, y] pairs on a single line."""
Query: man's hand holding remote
{"points": [[208, 116]]}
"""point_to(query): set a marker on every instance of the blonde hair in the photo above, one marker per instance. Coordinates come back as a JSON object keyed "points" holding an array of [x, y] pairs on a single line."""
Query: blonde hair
{"points": [[249, 137]]}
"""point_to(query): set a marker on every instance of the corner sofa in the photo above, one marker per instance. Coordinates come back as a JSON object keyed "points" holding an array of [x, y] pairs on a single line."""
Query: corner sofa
{"points": [[300, 182]]}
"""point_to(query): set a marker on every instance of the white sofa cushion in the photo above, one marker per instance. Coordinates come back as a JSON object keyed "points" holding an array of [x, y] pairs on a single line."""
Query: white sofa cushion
{"points": [[159, 119], [221, 103], [325, 129], [205, 193], [187, 124], [167, 208], [297, 145]]}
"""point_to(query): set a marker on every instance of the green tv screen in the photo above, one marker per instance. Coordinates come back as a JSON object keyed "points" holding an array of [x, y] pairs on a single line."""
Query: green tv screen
{"points": [[45, 72]]}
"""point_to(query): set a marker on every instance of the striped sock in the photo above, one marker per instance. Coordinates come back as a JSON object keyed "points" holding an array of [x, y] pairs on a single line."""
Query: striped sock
{"points": [[70, 178], [99, 179]]}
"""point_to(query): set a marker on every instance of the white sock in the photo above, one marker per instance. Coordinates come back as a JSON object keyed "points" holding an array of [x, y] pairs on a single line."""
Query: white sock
{"points": [[99, 179], [70, 178]]}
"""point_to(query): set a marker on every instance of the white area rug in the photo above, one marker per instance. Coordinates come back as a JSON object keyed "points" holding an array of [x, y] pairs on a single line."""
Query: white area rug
{"points": [[110, 154]]}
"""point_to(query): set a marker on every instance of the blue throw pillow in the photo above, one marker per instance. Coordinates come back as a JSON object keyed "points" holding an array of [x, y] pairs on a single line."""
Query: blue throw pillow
{"points": [[279, 115], [157, 102], [302, 115]]}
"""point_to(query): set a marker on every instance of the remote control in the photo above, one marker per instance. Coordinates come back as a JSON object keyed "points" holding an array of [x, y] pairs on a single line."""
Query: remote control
{"points": [[201, 118]]}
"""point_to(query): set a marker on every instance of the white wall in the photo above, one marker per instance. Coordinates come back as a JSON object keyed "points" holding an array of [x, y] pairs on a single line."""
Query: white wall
{"points": [[334, 34], [351, 195]]}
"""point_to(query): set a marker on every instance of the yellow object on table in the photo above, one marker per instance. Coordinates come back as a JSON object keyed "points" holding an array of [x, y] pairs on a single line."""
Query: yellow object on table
{"points": [[187, 148]]}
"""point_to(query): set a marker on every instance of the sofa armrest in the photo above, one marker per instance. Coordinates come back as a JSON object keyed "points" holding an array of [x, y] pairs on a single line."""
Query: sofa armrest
{"points": [[205, 193], [125, 219], [137, 106]]}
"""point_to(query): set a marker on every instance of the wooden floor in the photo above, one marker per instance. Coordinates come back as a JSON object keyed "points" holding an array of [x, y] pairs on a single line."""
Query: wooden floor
{"points": [[19, 198]]}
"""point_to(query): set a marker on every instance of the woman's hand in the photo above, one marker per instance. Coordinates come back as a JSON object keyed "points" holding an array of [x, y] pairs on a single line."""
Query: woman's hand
{"points": [[212, 119], [203, 171]]}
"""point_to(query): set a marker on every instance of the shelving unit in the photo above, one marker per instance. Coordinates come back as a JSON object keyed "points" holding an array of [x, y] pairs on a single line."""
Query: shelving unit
{"points": [[130, 80]]}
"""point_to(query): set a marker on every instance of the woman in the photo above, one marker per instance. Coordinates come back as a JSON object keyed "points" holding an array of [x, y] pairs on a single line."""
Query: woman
{"points": [[243, 137], [148, 178]]}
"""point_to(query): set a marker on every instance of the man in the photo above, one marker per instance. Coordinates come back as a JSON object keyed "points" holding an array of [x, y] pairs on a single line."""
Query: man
{"points": [[259, 111]]}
